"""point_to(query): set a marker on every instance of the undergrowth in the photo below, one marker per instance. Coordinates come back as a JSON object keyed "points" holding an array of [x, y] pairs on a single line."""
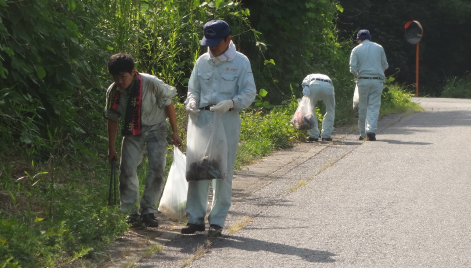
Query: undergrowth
{"points": [[458, 87]]}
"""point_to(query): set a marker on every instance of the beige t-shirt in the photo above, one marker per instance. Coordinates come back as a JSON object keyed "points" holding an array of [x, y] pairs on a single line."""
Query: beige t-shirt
{"points": [[156, 95]]}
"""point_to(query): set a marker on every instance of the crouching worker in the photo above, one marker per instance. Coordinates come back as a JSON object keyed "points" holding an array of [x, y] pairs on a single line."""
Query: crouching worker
{"points": [[142, 102], [221, 82], [319, 87]]}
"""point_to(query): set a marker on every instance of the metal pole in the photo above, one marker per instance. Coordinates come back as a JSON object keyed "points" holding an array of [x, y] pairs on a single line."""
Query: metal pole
{"points": [[417, 71], [115, 182], [112, 196], [111, 184]]}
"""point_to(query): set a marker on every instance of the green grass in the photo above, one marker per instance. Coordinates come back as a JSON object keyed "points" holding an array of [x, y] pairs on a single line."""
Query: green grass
{"points": [[396, 100], [54, 221], [456, 87], [152, 250]]}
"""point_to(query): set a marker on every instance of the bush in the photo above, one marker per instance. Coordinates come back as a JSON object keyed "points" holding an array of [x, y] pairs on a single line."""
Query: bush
{"points": [[456, 87]]}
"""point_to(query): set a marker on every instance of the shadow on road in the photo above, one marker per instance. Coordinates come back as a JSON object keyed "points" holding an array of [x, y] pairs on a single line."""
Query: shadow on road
{"points": [[405, 142], [188, 244], [248, 244]]}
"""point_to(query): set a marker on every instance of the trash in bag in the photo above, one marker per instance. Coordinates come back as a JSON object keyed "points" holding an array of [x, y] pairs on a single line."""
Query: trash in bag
{"points": [[356, 98], [173, 201], [304, 117], [204, 170], [206, 149]]}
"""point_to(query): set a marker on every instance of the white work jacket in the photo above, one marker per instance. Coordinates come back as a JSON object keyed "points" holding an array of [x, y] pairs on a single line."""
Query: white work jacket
{"points": [[212, 82], [368, 60]]}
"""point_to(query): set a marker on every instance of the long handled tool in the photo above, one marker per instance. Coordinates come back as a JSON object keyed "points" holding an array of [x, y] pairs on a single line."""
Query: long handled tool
{"points": [[112, 194]]}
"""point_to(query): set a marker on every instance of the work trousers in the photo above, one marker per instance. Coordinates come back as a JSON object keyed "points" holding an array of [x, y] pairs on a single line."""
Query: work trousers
{"points": [[369, 92], [197, 200], [323, 91], [154, 140]]}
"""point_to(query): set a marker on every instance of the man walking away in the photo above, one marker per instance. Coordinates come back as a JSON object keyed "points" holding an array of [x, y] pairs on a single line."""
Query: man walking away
{"points": [[367, 64]]}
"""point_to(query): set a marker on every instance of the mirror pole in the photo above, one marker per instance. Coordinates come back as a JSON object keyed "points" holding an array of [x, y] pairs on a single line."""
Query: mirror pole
{"points": [[417, 71]]}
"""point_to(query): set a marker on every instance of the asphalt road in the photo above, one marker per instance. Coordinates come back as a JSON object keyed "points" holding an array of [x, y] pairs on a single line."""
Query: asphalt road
{"points": [[402, 201]]}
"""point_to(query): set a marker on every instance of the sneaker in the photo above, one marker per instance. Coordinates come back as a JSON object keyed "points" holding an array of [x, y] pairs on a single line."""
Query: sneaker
{"points": [[215, 230], [371, 136], [361, 138], [192, 228], [326, 139], [312, 139], [149, 220]]}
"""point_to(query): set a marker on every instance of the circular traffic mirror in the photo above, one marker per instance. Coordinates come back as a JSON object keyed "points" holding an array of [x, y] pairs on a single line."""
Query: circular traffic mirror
{"points": [[414, 32]]}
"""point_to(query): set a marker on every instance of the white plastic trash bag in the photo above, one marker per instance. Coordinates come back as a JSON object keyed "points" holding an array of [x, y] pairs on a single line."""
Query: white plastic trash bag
{"points": [[356, 98], [304, 117], [206, 147], [173, 201]]}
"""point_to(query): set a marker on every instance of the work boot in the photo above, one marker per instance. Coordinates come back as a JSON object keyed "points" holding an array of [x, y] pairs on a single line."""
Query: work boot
{"points": [[326, 139], [149, 220], [192, 228], [371, 136], [312, 139], [215, 230], [361, 138]]}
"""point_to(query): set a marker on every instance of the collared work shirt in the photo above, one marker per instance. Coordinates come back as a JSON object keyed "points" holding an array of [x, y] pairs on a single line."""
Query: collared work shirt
{"points": [[368, 60], [212, 82], [156, 95]]}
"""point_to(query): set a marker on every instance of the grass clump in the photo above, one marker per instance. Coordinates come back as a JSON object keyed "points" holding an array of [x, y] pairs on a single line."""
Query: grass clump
{"points": [[297, 185], [458, 87], [264, 130], [152, 250], [395, 99], [239, 225], [199, 252]]}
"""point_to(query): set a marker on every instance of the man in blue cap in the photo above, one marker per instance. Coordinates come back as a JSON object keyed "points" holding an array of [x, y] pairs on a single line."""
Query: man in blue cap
{"points": [[367, 64], [221, 82]]}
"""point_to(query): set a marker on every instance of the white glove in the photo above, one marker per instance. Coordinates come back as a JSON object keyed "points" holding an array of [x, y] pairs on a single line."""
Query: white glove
{"points": [[306, 91], [191, 108], [222, 106]]}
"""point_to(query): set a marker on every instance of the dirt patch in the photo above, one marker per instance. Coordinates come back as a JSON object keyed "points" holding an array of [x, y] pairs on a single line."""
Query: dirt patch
{"points": [[133, 245]]}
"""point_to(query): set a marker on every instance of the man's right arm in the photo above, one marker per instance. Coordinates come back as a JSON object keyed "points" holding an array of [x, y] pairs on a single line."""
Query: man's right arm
{"points": [[384, 61], [112, 132], [192, 101], [354, 63]]}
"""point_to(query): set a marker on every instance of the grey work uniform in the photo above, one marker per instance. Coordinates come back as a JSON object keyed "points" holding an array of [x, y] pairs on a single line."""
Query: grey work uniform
{"points": [[210, 83], [368, 60], [321, 88], [156, 95]]}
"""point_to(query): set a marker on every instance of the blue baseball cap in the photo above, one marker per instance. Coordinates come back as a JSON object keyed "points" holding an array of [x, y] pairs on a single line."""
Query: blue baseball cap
{"points": [[363, 34], [214, 31]]}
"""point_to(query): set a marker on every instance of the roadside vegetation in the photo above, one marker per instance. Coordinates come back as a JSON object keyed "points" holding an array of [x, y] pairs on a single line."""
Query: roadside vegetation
{"points": [[458, 87], [395, 99], [54, 176]]}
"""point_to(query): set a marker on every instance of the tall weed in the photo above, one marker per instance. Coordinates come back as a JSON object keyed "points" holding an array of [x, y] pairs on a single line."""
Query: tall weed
{"points": [[458, 87]]}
